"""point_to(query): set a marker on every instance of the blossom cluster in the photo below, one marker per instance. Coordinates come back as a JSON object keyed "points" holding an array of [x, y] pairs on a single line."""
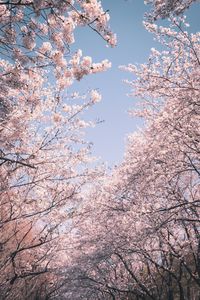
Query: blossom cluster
{"points": [[163, 8]]}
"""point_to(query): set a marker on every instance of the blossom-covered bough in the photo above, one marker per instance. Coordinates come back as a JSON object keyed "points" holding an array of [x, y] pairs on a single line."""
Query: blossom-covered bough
{"points": [[166, 8], [38, 34], [43, 156]]}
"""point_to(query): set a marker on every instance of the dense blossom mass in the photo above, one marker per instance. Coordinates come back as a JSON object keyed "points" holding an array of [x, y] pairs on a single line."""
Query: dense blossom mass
{"points": [[69, 230]]}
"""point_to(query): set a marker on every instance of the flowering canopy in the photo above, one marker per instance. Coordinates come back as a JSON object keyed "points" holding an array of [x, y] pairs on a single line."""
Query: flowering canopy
{"points": [[73, 232]]}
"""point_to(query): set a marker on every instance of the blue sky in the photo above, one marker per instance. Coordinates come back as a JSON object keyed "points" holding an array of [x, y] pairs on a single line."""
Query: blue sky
{"points": [[134, 44]]}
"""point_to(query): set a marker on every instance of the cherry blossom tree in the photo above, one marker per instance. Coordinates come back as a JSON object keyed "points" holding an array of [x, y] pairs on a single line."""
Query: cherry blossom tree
{"points": [[43, 157], [168, 85]]}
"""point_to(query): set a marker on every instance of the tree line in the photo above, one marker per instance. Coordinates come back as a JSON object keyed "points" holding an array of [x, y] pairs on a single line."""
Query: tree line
{"points": [[72, 231]]}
